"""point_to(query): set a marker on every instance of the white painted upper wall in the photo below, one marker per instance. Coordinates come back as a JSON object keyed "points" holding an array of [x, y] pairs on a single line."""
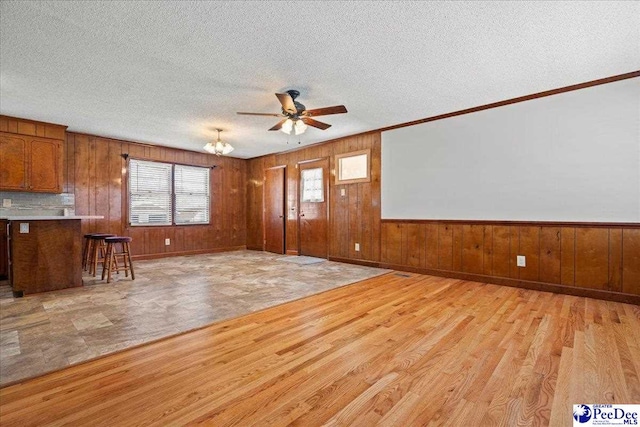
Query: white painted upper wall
{"points": [[574, 156]]}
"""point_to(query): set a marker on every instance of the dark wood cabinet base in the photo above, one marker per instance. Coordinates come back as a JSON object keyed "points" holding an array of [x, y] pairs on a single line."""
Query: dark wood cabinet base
{"points": [[47, 258]]}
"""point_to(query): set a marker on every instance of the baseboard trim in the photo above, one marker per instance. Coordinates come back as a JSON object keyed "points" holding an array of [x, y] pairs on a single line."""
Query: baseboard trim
{"points": [[355, 261], [292, 252], [255, 248], [184, 253], [504, 281], [525, 284]]}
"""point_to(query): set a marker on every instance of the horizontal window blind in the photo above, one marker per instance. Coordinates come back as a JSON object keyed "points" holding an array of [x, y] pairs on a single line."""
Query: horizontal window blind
{"points": [[191, 186], [149, 193]]}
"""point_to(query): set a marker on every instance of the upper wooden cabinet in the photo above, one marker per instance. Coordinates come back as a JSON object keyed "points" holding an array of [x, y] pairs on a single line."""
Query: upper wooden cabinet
{"points": [[13, 162], [31, 164]]}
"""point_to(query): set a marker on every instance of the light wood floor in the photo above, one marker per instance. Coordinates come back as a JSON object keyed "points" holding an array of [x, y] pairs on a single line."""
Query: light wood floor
{"points": [[392, 350]]}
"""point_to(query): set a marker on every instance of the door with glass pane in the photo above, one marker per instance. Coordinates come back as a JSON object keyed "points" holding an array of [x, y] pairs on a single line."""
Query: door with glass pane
{"points": [[313, 203]]}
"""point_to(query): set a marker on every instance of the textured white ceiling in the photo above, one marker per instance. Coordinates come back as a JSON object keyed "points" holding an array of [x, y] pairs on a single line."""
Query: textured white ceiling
{"points": [[168, 73]]}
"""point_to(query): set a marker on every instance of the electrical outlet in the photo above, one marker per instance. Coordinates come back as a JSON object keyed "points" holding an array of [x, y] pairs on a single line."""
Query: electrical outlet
{"points": [[343, 192], [24, 227], [521, 261], [167, 242], [357, 247], [6, 203]]}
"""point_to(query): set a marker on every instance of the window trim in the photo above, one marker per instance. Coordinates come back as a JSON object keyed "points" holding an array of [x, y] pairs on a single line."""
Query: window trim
{"points": [[173, 164], [339, 157]]}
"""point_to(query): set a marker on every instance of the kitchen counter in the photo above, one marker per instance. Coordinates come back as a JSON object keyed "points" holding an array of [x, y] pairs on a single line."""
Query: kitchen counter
{"points": [[45, 252]]}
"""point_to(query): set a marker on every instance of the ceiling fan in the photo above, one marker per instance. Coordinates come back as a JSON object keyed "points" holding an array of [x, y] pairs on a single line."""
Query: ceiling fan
{"points": [[296, 116]]}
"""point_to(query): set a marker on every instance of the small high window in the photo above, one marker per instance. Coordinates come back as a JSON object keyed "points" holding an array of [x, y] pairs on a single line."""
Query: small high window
{"points": [[353, 167]]}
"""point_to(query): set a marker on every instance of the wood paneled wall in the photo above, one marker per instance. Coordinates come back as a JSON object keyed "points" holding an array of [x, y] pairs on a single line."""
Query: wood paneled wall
{"points": [[597, 260], [587, 257], [31, 127], [94, 170], [353, 218]]}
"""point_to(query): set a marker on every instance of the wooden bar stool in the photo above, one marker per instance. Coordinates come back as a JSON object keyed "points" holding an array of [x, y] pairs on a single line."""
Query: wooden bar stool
{"points": [[111, 260], [87, 247], [97, 251]]}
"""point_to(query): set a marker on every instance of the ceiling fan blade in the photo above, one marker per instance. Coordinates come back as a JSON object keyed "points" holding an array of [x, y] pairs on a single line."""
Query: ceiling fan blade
{"points": [[316, 124], [260, 114], [287, 103], [338, 109], [278, 125]]}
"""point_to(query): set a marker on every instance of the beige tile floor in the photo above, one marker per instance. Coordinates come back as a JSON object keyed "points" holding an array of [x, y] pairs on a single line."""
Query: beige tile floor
{"points": [[49, 331]]}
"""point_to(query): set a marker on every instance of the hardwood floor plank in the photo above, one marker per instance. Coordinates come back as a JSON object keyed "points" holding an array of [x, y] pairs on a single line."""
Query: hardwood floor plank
{"points": [[629, 364], [349, 413], [613, 374], [562, 403], [401, 411], [392, 350]]}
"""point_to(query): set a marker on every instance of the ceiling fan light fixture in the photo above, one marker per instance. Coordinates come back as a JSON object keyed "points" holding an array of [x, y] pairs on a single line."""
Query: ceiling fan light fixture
{"points": [[300, 127], [287, 126], [295, 117], [218, 147]]}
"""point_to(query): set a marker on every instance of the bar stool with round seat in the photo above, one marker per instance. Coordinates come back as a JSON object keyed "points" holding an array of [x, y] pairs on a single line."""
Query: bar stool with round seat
{"points": [[111, 260], [87, 248], [97, 251]]}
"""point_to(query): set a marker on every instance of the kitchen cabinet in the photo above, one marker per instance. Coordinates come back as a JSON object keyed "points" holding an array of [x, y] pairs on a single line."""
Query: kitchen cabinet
{"points": [[30, 163]]}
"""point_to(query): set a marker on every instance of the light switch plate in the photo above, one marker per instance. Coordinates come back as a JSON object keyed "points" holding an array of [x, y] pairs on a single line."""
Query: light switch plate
{"points": [[521, 261], [24, 227], [343, 192], [357, 247], [6, 203], [167, 242]]}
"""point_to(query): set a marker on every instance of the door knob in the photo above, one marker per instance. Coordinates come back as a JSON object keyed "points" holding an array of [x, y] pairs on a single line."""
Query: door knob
{"points": [[301, 215], [280, 216]]}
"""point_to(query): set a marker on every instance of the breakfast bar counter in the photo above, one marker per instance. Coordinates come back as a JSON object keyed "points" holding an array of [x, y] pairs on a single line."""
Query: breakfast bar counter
{"points": [[45, 252]]}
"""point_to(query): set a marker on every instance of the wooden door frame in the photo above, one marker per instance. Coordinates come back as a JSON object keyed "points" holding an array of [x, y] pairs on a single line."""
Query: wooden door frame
{"points": [[327, 181], [264, 206]]}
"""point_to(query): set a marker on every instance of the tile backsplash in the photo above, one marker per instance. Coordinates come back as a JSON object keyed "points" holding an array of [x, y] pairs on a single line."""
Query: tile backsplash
{"points": [[36, 203]]}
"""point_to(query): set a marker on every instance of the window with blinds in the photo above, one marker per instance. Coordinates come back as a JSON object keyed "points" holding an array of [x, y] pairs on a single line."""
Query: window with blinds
{"points": [[191, 187], [149, 193], [166, 194]]}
